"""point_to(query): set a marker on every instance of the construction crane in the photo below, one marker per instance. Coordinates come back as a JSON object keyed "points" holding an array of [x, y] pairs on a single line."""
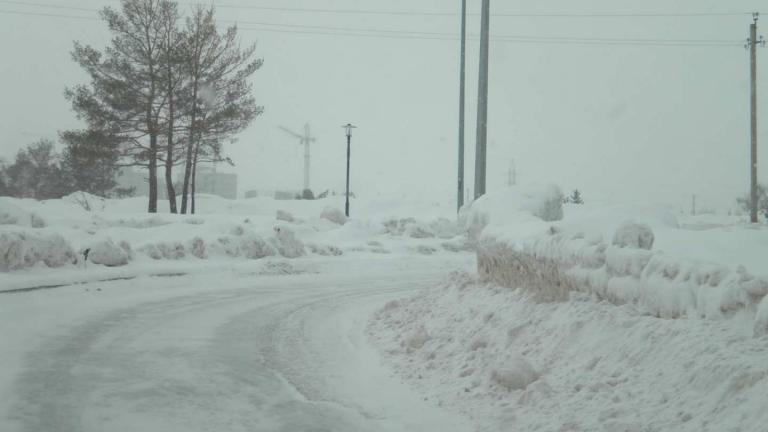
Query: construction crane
{"points": [[304, 140]]}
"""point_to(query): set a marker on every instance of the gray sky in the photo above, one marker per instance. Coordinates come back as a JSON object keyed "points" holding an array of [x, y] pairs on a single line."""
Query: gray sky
{"points": [[648, 123]]}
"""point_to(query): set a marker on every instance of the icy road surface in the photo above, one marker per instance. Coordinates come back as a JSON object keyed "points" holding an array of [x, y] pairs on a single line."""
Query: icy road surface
{"points": [[227, 351]]}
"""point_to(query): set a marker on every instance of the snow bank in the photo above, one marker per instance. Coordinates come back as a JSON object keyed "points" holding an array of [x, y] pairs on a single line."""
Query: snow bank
{"points": [[514, 206], [334, 215], [554, 263], [22, 249], [511, 362], [11, 214]]}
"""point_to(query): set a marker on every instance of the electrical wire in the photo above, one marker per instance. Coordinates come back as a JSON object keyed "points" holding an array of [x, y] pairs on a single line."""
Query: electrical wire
{"points": [[422, 35], [414, 12]]}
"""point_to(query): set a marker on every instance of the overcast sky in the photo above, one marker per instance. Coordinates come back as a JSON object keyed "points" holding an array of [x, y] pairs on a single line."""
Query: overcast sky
{"points": [[619, 122]]}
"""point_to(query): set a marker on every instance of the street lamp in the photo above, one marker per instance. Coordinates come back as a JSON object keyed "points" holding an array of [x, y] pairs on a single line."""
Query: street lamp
{"points": [[348, 128]]}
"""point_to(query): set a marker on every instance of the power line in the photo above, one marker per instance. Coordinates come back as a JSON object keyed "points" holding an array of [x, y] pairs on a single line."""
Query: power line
{"points": [[439, 36], [47, 5], [43, 14], [416, 12]]}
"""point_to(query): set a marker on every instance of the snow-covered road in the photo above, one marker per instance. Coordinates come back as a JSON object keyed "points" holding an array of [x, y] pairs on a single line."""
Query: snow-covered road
{"points": [[220, 352]]}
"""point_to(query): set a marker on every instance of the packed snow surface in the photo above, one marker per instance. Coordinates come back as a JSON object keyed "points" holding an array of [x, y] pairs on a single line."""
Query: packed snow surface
{"points": [[285, 315], [514, 363]]}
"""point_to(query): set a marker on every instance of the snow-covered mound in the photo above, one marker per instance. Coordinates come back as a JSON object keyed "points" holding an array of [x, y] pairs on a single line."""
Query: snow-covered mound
{"points": [[557, 262], [511, 362], [13, 214], [516, 207], [119, 233]]}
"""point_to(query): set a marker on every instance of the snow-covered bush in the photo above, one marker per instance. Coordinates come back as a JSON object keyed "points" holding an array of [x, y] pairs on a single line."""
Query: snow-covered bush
{"points": [[285, 216], [168, 250], [634, 235], [20, 250], [398, 227], [334, 215], [419, 231], [287, 244], [254, 247], [107, 253], [444, 228], [197, 248], [325, 250], [85, 200]]}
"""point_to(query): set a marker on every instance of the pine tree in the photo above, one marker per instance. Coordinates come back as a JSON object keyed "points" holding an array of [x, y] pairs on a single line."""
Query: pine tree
{"points": [[221, 103], [36, 173], [90, 161], [575, 197], [126, 94]]}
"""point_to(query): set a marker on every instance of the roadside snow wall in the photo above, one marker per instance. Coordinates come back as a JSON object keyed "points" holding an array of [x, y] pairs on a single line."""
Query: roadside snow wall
{"points": [[622, 272]]}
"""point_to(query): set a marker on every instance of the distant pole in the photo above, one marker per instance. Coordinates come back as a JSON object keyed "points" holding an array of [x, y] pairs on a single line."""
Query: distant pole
{"points": [[482, 103], [349, 128], [512, 175], [307, 138], [753, 42], [693, 205], [462, 82]]}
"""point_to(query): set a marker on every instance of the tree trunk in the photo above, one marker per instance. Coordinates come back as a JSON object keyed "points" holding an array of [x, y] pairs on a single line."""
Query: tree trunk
{"points": [[152, 208], [190, 148], [169, 152], [193, 182]]}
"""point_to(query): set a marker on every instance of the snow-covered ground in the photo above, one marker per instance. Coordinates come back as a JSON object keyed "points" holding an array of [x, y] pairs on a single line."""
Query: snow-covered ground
{"points": [[612, 319], [217, 351], [43, 243], [283, 315]]}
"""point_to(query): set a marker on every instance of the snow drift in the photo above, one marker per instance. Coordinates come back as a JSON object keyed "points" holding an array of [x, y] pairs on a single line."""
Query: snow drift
{"points": [[518, 249]]}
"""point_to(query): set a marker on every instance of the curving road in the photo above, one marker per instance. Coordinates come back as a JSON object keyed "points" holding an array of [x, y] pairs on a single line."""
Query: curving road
{"points": [[214, 353]]}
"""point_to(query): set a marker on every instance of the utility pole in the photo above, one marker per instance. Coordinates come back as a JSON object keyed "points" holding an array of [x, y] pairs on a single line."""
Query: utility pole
{"points": [[304, 140], [482, 103], [752, 44], [693, 205], [348, 128], [462, 81]]}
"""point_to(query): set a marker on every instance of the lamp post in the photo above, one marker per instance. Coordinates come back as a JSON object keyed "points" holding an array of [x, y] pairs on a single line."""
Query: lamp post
{"points": [[348, 128]]}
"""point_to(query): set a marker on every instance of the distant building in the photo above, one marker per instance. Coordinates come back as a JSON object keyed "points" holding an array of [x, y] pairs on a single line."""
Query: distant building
{"points": [[215, 183], [208, 182], [251, 194]]}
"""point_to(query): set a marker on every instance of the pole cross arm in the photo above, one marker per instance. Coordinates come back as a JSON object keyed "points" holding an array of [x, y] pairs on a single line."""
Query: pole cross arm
{"points": [[290, 132]]}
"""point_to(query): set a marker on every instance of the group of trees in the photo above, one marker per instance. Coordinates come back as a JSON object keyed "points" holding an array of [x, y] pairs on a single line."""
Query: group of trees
{"points": [[88, 163], [745, 203], [164, 93], [574, 198]]}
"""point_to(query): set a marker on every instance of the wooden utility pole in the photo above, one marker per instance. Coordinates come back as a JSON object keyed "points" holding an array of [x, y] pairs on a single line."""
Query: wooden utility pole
{"points": [[462, 81], [482, 103], [752, 43], [753, 128]]}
